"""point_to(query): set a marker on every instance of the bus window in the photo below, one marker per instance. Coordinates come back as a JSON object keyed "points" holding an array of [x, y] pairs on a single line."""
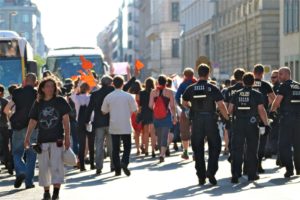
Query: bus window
{"points": [[9, 49]]}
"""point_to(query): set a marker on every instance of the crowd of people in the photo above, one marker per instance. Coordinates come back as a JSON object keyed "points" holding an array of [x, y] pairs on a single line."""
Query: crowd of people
{"points": [[40, 120]]}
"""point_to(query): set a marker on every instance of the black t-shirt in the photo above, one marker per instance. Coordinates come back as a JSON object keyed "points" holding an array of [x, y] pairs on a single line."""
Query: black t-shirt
{"points": [[203, 96], [276, 88], [246, 102], [3, 118], [290, 90], [231, 91], [49, 116], [264, 88], [23, 99]]}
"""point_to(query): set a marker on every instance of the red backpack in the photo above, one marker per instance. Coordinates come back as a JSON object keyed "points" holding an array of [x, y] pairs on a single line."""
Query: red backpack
{"points": [[160, 110]]}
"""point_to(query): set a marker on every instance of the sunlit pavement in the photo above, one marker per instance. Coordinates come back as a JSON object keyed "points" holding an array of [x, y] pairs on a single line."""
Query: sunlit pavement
{"points": [[173, 179]]}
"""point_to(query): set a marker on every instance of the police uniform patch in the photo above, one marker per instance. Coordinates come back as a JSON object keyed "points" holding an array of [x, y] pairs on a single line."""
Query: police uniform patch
{"points": [[295, 93], [244, 101], [253, 120]]}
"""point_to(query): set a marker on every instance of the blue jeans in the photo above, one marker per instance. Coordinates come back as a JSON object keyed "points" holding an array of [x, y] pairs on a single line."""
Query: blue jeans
{"points": [[24, 167]]}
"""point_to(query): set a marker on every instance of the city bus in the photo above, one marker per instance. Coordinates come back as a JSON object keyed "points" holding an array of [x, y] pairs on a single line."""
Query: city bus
{"points": [[16, 58], [66, 62]]}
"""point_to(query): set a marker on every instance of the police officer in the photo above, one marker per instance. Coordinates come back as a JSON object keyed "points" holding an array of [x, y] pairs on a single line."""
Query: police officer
{"points": [[274, 135], [288, 99], [238, 77], [201, 98], [268, 96], [246, 106]]}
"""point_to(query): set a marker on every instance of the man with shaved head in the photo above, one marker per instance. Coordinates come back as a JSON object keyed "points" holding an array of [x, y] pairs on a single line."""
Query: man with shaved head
{"points": [[288, 101]]}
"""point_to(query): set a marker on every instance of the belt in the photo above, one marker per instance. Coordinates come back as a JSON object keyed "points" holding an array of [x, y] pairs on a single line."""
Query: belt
{"points": [[289, 113], [203, 113]]}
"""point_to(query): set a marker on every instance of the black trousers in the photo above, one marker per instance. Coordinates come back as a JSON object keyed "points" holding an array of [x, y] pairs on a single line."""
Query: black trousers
{"points": [[82, 135], [116, 143], [205, 125], [262, 146], [6, 137], [289, 136], [244, 135], [274, 138]]}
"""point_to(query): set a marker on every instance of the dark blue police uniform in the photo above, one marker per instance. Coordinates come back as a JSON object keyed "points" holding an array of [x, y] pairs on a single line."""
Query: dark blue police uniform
{"points": [[203, 97], [245, 131], [289, 126]]}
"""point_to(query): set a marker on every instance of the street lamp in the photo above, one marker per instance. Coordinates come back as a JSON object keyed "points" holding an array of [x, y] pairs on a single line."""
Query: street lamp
{"points": [[182, 36], [11, 14], [246, 35]]}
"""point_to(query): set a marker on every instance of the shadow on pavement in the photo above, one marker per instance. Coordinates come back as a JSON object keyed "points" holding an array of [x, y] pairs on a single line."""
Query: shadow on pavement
{"points": [[156, 166], [89, 180], [221, 189], [10, 192]]}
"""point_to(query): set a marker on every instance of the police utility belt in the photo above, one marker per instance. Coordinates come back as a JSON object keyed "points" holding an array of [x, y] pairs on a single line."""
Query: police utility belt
{"points": [[244, 112]]}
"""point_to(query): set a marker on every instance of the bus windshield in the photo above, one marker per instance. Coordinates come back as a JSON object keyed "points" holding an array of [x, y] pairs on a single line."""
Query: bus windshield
{"points": [[68, 66], [9, 49], [10, 71]]}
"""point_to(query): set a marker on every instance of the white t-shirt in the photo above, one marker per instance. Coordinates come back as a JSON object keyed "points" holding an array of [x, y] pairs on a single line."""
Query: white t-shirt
{"points": [[119, 105], [80, 100]]}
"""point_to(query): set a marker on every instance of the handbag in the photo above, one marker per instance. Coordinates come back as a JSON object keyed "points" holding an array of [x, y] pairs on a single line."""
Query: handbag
{"points": [[69, 157]]}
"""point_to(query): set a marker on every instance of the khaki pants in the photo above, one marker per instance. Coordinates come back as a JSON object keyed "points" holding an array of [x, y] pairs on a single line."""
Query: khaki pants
{"points": [[185, 127], [51, 165]]}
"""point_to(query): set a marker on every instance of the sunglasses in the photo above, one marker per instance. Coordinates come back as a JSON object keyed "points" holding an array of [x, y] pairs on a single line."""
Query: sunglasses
{"points": [[273, 77]]}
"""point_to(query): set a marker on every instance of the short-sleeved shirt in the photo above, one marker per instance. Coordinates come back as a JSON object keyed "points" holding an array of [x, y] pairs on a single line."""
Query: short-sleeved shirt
{"points": [[203, 96], [264, 88], [119, 105], [290, 90], [49, 115], [3, 118], [276, 88], [246, 102], [23, 99], [231, 91]]}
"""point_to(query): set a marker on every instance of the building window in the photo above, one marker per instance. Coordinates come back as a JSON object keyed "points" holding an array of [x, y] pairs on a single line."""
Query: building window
{"points": [[297, 71], [256, 5], [129, 30], [291, 16], [129, 44], [129, 16], [115, 55], [130, 58], [175, 11], [25, 18], [175, 48], [296, 15]]}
